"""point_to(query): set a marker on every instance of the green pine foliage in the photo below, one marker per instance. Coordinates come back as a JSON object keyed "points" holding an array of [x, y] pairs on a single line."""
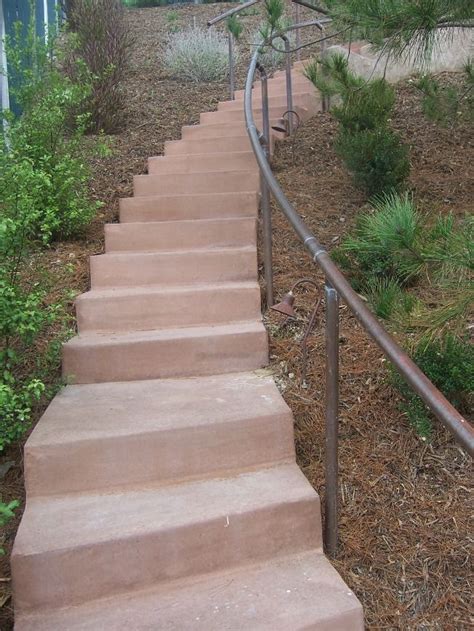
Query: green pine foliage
{"points": [[372, 152], [416, 273]]}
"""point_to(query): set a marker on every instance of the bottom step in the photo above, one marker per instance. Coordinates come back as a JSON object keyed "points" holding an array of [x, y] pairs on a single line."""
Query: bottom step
{"points": [[295, 593]]}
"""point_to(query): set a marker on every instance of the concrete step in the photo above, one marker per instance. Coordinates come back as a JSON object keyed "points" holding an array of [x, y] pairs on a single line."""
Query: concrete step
{"points": [[191, 206], [304, 99], [277, 86], [218, 126], [238, 115], [184, 267], [181, 429], [202, 163], [298, 592], [98, 545], [153, 307], [163, 353], [219, 144], [180, 235], [187, 183]]}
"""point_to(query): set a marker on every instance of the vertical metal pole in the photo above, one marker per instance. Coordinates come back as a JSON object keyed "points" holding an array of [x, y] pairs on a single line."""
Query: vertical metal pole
{"points": [[289, 89], [231, 67], [332, 419], [298, 32], [265, 195]]}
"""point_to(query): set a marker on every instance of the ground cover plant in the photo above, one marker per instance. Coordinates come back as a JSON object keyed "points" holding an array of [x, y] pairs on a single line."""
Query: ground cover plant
{"points": [[197, 55]]}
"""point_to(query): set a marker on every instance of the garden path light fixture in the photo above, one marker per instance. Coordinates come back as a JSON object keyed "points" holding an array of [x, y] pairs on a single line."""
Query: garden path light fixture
{"points": [[285, 307]]}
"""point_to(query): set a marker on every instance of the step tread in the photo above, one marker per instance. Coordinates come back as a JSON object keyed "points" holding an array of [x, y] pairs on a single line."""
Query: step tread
{"points": [[298, 592], [125, 337], [95, 411], [185, 251], [166, 290], [76, 521]]}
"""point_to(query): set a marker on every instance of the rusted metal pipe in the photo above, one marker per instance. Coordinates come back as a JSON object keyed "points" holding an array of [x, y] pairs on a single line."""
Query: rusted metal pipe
{"points": [[230, 12], [289, 89], [231, 67], [331, 496], [265, 193]]}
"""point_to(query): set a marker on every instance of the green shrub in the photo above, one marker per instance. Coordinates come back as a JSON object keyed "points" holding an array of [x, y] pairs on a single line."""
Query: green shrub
{"points": [[43, 196], [375, 155], [385, 242], [446, 104], [377, 159], [7, 512], [449, 364]]}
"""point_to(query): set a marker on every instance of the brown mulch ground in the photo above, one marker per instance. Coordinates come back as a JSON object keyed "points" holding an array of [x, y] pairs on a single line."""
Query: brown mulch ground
{"points": [[405, 531], [404, 518]]}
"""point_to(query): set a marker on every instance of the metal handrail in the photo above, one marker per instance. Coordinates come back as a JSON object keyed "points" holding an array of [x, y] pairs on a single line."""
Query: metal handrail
{"points": [[337, 285]]}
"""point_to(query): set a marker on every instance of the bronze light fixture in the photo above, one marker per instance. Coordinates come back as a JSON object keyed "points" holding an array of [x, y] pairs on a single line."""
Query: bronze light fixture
{"points": [[285, 307]]}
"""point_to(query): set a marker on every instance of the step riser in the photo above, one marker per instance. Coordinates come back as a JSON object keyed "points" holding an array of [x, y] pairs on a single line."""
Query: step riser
{"points": [[196, 183], [306, 100], [164, 358], [277, 87], [177, 207], [162, 456], [158, 310], [212, 145], [72, 576], [183, 235], [237, 117], [244, 161], [129, 270], [207, 145]]}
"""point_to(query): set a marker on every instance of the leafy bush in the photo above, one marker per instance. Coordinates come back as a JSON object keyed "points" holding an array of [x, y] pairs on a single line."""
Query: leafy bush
{"points": [[7, 512], [102, 42], [197, 55], [449, 364], [43, 196], [377, 158]]}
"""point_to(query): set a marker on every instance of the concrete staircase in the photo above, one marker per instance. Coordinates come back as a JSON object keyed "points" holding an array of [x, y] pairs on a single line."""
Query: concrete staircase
{"points": [[162, 488]]}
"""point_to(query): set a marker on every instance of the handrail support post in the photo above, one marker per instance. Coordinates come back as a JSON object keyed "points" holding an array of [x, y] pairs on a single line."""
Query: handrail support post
{"points": [[289, 88], [231, 67], [332, 419]]}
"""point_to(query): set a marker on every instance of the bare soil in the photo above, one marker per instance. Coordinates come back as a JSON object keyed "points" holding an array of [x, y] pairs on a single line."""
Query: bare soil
{"points": [[404, 512]]}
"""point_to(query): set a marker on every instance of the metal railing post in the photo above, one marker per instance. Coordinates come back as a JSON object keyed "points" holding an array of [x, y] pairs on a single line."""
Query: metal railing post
{"points": [[332, 419], [298, 32], [231, 67], [289, 89], [265, 193]]}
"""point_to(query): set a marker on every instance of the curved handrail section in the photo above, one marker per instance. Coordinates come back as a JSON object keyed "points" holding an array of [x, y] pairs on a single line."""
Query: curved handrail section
{"points": [[461, 429]]}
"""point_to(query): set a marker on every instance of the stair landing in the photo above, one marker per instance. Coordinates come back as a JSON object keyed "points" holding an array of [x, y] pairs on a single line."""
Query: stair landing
{"points": [[162, 487]]}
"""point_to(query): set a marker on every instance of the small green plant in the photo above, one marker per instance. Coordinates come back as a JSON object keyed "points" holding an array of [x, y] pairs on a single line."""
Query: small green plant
{"points": [[172, 19], [198, 55], [235, 26], [7, 513], [449, 364], [446, 104], [375, 154], [377, 158], [385, 242]]}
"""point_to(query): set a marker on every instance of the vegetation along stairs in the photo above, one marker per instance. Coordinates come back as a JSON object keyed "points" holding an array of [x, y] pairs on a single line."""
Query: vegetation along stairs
{"points": [[162, 487]]}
